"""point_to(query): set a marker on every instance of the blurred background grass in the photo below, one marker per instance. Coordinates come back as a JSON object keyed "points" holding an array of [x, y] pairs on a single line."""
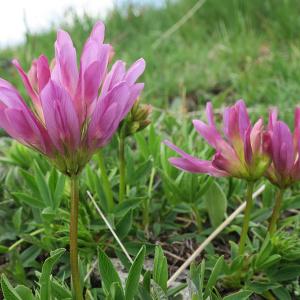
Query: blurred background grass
{"points": [[228, 50]]}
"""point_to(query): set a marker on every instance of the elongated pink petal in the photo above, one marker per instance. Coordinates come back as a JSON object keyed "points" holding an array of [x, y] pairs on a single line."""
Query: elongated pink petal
{"points": [[116, 98], [296, 136], [192, 164], [248, 147], [243, 117], [283, 149], [98, 33], [43, 72], [65, 71], [135, 91], [256, 136], [135, 71], [209, 133], [115, 76], [210, 114], [10, 96], [31, 92], [32, 75], [60, 117], [91, 76], [229, 166]]}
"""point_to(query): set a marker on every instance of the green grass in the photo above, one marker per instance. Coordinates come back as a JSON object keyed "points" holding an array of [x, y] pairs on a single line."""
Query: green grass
{"points": [[228, 50]]}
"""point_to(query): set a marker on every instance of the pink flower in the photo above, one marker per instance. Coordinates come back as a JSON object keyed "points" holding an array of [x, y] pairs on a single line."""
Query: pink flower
{"points": [[73, 111], [242, 153], [285, 167]]}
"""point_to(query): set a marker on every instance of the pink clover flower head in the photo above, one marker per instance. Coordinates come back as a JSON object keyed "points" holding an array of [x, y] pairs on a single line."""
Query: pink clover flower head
{"points": [[243, 151], [74, 110], [285, 168]]}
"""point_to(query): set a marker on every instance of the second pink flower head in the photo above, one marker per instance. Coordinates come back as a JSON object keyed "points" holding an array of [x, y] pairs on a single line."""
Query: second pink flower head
{"points": [[243, 151]]}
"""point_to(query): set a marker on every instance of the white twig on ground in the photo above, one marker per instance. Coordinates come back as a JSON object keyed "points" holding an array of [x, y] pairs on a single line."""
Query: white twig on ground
{"points": [[109, 227], [178, 24], [88, 274], [214, 234]]}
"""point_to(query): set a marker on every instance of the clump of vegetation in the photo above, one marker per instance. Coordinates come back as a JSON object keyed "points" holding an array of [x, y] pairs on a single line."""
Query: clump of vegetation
{"points": [[131, 211]]}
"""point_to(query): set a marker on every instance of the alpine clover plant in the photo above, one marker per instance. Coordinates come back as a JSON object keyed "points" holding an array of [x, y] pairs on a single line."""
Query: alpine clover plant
{"points": [[73, 111], [243, 152], [285, 168]]}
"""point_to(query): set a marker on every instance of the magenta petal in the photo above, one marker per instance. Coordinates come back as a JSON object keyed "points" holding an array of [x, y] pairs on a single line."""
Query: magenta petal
{"points": [[9, 96], [272, 118], [65, 70], [283, 148], [116, 98], [60, 117], [26, 129], [247, 146], [192, 164], [135, 92], [27, 83], [135, 71], [256, 135], [98, 32], [210, 114], [115, 76], [243, 117], [32, 75], [209, 133], [43, 72], [296, 136]]}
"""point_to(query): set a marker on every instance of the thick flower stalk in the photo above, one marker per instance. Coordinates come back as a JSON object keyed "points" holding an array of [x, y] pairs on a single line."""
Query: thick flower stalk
{"points": [[243, 152], [73, 111], [285, 168]]}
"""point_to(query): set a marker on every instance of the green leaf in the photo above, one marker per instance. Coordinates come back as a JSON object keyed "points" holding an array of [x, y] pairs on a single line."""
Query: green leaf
{"points": [[147, 281], [45, 280], [17, 219], [213, 276], [59, 190], [286, 273], [107, 272], [123, 208], [158, 293], [3, 249], [216, 204], [160, 270], [124, 226], [24, 292], [175, 290], [7, 289], [59, 291], [31, 201], [116, 291], [134, 274], [30, 181], [241, 295], [42, 186], [282, 293]]}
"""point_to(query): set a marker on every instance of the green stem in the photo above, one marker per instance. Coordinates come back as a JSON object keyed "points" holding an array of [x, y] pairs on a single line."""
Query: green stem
{"points": [[106, 184], [249, 203], [276, 212], [147, 201], [77, 292], [122, 166], [198, 218]]}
